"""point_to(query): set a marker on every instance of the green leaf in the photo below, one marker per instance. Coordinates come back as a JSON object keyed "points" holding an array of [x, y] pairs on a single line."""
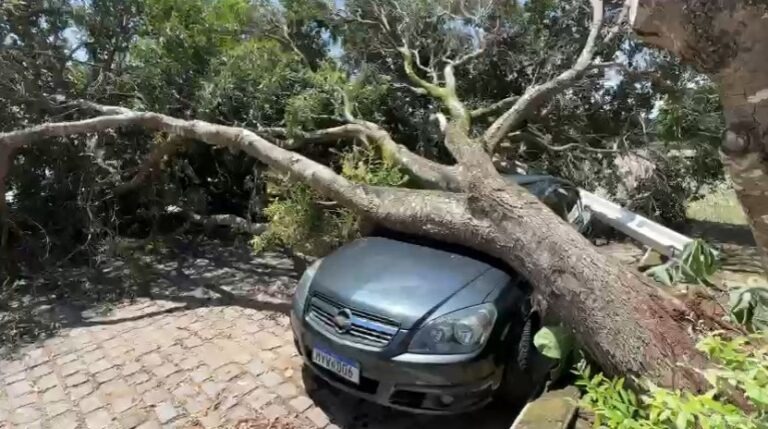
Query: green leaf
{"points": [[681, 422], [661, 274], [553, 342]]}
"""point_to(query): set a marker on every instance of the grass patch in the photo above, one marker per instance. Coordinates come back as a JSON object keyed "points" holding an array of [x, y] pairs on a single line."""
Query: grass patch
{"points": [[721, 205]]}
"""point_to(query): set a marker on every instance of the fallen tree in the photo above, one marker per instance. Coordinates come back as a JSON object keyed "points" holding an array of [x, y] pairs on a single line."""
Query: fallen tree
{"points": [[625, 322]]}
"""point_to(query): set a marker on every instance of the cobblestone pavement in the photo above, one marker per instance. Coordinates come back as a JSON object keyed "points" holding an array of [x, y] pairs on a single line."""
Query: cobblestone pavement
{"points": [[185, 363]]}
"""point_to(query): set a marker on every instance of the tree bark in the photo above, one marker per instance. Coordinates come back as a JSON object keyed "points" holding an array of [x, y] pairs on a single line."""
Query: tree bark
{"points": [[728, 41]]}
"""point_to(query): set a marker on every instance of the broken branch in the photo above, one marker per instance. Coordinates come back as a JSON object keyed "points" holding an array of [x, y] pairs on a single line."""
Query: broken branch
{"points": [[536, 95]]}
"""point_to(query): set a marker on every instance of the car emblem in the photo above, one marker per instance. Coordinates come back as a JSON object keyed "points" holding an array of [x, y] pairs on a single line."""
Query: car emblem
{"points": [[343, 321]]}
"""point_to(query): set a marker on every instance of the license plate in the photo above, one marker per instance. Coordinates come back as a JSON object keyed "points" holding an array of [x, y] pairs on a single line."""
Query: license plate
{"points": [[344, 368]]}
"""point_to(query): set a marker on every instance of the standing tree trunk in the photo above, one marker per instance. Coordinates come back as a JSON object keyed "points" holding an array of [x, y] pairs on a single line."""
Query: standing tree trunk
{"points": [[728, 41]]}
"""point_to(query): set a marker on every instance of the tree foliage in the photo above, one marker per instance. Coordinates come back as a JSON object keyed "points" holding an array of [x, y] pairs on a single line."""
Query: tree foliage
{"points": [[295, 65], [740, 368]]}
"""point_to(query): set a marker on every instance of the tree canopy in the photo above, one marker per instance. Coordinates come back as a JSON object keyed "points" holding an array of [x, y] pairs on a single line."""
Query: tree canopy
{"points": [[287, 69]]}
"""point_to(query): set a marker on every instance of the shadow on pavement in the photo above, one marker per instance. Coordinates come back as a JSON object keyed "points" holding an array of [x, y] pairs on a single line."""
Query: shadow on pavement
{"points": [[195, 274]]}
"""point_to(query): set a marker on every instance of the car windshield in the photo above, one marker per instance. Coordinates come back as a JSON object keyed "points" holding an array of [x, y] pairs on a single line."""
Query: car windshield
{"points": [[439, 245]]}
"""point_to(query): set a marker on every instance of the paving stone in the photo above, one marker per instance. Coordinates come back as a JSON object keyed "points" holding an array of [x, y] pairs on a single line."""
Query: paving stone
{"points": [[71, 368], [25, 415], [20, 401], [46, 382], [189, 363], [287, 390], [54, 394], [300, 403], [99, 365], [185, 390], [274, 411], [19, 376], [175, 353], [164, 370], [146, 386], [197, 404], [64, 421], [152, 360], [554, 409], [143, 348], [174, 379], [138, 378], [212, 389], [117, 351], [19, 388], [107, 375], [201, 374], [133, 418], [9, 368], [90, 403], [76, 379], [192, 342], [156, 396], [256, 367], [266, 355], [80, 391], [40, 371], [131, 369], [211, 420], [98, 419], [227, 372], [166, 411], [266, 340], [243, 385], [66, 358], [93, 357], [259, 397], [53, 409], [121, 403], [317, 416], [270, 379], [36, 357], [238, 412]]}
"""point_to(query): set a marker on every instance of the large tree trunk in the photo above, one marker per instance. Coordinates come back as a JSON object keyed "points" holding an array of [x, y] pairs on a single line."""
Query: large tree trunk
{"points": [[727, 40]]}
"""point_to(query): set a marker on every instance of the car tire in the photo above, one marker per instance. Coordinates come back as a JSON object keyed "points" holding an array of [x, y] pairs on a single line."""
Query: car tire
{"points": [[524, 375]]}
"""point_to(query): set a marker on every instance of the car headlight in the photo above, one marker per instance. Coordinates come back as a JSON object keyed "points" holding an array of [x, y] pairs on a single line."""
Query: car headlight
{"points": [[302, 289], [462, 331]]}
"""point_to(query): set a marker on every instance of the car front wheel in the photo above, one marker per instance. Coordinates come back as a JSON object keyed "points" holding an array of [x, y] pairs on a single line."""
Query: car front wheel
{"points": [[526, 372]]}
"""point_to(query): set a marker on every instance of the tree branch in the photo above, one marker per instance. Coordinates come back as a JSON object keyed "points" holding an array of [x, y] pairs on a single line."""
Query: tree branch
{"points": [[320, 177], [431, 174], [536, 95], [447, 95], [493, 108], [236, 223]]}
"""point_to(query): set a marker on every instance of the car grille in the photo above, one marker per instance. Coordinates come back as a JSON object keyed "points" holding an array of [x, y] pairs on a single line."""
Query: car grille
{"points": [[366, 328]]}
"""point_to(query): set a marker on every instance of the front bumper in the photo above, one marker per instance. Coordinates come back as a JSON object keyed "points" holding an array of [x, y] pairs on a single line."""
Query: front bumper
{"points": [[430, 384]]}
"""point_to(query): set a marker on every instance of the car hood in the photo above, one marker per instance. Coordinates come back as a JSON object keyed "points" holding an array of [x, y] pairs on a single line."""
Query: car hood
{"points": [[398, 280]]}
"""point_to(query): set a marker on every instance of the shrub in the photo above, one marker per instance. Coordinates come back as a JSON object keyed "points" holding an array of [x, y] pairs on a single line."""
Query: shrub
{"points": [[740, 367]]}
